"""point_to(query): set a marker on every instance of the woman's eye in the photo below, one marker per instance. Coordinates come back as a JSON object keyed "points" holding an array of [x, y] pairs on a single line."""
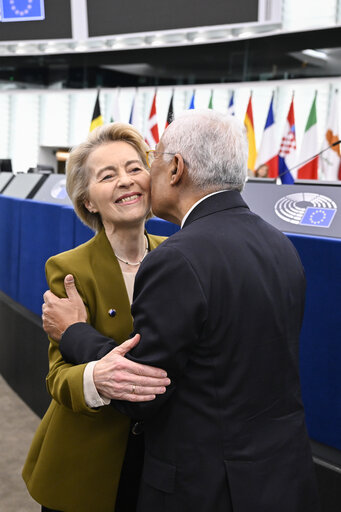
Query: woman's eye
{"points": [[107, 177], [135, 169]]}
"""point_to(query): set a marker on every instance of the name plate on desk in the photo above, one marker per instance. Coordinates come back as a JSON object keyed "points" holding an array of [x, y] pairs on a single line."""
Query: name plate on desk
{"points": [[305, 209]]}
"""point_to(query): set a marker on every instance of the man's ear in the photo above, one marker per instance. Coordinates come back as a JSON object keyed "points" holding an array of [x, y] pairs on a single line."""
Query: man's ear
{"points": [[178, 169], [89, 206]]}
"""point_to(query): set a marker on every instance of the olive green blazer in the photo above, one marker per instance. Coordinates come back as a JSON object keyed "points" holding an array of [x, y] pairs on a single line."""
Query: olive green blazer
{"points": [[76, 456]]}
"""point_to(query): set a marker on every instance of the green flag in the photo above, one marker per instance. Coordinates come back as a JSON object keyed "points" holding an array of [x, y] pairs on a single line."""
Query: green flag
{"points": [[210, 103]]}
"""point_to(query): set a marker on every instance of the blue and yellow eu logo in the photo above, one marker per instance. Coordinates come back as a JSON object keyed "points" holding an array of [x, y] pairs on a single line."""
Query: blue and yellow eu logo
{"points": [[318, 217], [22, 10]]}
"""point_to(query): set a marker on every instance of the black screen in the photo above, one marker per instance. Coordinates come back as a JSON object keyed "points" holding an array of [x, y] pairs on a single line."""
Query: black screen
{"points": [[110, 17]]}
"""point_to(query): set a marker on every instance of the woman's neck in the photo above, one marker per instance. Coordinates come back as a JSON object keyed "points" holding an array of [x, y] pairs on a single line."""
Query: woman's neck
{"points": [[128, 244]]}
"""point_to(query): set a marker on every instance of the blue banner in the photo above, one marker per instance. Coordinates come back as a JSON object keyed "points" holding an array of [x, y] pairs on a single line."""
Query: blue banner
{"points": [[22, 10], [320, 217]]}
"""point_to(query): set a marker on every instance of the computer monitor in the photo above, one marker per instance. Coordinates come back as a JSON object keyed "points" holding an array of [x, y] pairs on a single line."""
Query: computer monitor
{"points": [[261, 180], [5, 165], [45, 169], [318, 182]]}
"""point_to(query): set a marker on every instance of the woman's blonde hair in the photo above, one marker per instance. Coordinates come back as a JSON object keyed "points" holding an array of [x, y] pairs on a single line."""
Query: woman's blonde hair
{"points": [[78, 174]]}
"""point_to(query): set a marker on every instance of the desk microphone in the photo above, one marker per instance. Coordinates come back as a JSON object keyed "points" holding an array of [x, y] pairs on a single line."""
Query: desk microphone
{"points": [[309, 159]]}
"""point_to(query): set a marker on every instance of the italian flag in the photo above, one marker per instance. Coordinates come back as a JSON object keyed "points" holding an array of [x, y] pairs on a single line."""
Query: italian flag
{"points": [[308, 171]]}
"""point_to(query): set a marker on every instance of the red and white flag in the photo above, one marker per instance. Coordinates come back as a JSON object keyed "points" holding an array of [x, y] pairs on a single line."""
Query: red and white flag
{"points": [[152, 133]]}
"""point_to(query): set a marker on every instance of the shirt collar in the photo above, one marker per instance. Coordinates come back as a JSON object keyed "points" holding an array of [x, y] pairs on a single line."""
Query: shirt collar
{"points": [[196, 204]]}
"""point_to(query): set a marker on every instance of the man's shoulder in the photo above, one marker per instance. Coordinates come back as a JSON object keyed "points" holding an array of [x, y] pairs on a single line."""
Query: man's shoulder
{"points": [[175, 246]]}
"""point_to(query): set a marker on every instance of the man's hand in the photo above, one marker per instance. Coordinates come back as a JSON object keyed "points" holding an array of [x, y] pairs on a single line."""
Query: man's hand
{"points": [[121, 379], [59, 314]]}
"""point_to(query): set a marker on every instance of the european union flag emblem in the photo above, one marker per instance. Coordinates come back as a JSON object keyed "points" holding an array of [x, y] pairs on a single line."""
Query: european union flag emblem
{"points": [[22, 10], [319, 217]]}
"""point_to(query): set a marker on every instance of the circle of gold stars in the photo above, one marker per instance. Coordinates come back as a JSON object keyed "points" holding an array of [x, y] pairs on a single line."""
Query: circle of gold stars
{"points": [[311, 218], [19, 12]]}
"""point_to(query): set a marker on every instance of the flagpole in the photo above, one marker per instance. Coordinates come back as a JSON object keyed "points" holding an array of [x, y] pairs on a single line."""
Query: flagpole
{"points": [[311, 158]]}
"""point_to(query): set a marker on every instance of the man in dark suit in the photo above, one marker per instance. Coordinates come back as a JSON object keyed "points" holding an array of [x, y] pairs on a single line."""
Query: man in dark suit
{"points": [[219, 306]]}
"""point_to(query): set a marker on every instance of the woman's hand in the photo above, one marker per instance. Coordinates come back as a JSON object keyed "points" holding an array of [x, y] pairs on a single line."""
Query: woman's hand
{"points": [[119, 378], [59, 314]]}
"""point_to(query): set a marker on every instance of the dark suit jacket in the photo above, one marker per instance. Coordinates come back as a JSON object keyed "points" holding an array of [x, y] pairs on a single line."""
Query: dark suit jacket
{"points": [[219, 306]]}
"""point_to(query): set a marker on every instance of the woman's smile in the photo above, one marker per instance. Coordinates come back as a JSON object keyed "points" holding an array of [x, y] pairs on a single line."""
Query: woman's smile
{"points": [[128, 199]]}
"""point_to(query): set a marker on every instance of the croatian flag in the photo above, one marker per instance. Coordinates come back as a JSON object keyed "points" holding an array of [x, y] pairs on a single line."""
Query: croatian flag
{"points": [[268, 152], [287, 150]]}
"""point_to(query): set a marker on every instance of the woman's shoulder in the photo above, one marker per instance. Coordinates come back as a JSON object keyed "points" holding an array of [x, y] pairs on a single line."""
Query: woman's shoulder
{"points": [[155, 240], [74, 255]]}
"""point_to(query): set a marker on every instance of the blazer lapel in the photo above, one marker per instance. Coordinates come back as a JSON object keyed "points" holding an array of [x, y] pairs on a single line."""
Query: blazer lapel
{"points": [[112, 293]]}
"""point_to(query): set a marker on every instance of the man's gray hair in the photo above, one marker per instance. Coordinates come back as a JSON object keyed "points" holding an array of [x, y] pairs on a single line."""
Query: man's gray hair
{"points": [[214, 147]]}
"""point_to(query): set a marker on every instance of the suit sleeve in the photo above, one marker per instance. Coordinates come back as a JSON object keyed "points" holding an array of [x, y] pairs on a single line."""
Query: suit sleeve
{"points": [[81, 343], [64, 381], [169, 311]]}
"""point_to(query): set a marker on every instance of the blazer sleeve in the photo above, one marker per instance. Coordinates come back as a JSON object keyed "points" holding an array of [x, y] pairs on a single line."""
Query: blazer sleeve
{"points": [[169, 311], [64, 381]]}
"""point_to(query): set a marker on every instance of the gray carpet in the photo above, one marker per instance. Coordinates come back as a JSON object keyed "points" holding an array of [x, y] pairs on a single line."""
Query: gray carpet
{"points": [[17, 426]]}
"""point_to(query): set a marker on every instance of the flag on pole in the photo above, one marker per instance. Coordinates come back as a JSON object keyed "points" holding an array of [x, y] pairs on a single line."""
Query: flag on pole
{"points": [[192, 105], [115, 109], [308, 171], [170, 113], [287, 150], [210, 103], [230, 108], [97, 119], [330, 159], [152, 135], [134, 118], [248, 122], [268, 152]]}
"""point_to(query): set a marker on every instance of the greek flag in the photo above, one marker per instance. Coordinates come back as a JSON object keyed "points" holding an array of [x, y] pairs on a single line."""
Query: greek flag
{"points": [[22, 10]]}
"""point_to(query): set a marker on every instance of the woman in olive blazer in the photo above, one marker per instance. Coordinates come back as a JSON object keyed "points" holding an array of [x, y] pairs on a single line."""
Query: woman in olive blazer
{"points": [[76, 456], [70, 466]]}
